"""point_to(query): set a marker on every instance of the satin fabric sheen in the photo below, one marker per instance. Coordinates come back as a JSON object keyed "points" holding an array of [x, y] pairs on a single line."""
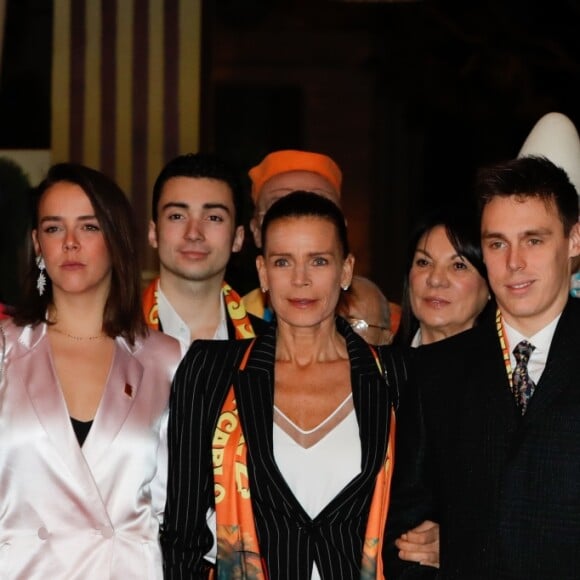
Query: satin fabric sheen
{"points": [[88, 513]]}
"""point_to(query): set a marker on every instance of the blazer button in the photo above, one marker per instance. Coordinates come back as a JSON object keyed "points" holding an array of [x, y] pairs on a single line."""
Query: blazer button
{"points": [[107, 532], [43, 533]]}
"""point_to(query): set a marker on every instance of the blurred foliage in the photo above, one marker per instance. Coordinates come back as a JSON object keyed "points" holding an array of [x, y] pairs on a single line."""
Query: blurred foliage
{"points": [[14, 203]]}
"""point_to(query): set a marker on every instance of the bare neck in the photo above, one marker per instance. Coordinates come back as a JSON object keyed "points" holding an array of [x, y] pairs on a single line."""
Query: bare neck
{"points": [[80, 315], [532, 324], [305, 346]]}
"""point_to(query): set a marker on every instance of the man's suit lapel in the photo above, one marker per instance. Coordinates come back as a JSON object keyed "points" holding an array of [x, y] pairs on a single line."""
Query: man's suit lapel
{"points": [[480, 399], [490, 370], [562, 357]]}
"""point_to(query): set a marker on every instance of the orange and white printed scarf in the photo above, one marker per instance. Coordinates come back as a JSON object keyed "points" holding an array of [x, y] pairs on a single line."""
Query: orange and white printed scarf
{"points": [[234, 306]]}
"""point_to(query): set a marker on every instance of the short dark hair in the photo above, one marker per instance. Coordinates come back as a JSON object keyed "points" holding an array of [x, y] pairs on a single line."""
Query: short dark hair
{"points": [[198, 166], [307, 204], [123, 313], [462, 229], [527, 177]]}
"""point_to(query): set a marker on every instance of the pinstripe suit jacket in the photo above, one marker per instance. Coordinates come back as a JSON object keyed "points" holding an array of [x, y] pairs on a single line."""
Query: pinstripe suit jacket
{"points": [[505, 488], [290, 541]]}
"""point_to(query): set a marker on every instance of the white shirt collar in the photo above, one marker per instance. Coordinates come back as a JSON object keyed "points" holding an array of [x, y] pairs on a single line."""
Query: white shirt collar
{"points": [[174, 326], [221, 332], [417, 339], [541, 341]]}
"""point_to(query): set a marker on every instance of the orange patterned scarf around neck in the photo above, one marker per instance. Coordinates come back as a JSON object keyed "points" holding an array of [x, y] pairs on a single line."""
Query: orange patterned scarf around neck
{"points": [[238, 549], [234, 306]]}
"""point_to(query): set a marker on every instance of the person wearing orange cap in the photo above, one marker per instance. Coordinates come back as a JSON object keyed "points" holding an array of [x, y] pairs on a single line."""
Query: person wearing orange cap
{"points": [[278, 174], [281, 172]]}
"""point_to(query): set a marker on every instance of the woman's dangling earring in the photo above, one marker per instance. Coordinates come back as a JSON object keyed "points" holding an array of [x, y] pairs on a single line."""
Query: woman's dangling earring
{"points": [[41, 280]]}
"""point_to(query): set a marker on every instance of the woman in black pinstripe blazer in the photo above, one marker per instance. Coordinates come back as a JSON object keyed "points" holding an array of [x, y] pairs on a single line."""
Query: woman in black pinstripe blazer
{"points": [[288, 436]]}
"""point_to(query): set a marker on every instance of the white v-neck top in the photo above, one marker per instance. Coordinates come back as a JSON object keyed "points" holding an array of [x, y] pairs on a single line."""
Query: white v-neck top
{"points": [[316, 475]]}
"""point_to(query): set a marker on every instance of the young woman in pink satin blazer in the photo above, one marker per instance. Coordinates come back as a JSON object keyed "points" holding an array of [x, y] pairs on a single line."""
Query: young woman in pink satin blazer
{"points": [[83, 396]]}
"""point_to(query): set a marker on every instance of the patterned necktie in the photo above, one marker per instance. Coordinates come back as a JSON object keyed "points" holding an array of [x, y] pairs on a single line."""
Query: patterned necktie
{"points": [[523, 386]]}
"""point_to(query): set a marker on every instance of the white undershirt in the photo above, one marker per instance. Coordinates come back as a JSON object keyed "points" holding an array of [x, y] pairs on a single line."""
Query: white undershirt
{"points": [[317, 475]]}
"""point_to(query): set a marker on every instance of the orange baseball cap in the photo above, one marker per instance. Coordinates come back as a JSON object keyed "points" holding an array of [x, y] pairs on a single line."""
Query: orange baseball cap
{"points": [[291, 160]]}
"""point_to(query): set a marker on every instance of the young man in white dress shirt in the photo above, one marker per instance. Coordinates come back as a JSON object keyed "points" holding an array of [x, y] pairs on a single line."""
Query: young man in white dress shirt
{"points": [[195, 226]]}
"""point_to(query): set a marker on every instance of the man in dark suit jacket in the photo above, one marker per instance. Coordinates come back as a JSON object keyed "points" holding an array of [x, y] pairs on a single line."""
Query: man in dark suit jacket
{"points": [[489, 442]]}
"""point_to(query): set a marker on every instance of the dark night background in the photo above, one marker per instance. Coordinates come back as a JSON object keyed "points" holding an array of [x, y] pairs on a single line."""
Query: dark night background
{"points": [[408, 97]]}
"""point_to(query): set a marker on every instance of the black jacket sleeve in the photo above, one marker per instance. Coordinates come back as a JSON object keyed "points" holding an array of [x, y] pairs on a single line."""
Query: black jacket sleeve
{"points": [[412, 494], [198, 391]]}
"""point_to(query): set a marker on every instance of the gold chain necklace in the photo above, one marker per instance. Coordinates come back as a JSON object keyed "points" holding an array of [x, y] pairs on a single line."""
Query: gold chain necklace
{"points": [[73, 337]]}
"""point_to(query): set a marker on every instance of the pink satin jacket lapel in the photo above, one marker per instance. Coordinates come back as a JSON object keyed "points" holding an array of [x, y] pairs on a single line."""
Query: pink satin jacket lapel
{"points": [[118, 398], [48, 402]]}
